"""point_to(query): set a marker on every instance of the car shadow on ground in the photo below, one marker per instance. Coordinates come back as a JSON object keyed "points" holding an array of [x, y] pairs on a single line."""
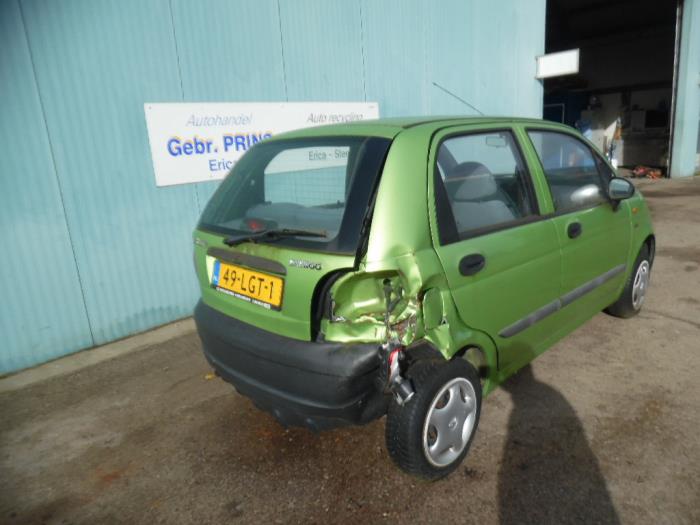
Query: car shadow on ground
{"points": [[548, 473]]}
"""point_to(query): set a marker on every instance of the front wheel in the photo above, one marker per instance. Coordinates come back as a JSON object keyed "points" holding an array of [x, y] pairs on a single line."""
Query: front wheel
{"points": [[632, 298], [430, 435]]}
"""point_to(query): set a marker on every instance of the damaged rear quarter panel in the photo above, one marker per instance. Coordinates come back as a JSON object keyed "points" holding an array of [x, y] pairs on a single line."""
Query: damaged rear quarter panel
{"points": [[400, 249]]}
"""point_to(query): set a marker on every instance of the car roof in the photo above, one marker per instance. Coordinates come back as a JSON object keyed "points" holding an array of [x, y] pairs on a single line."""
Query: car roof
{"points": [[390, 127]]}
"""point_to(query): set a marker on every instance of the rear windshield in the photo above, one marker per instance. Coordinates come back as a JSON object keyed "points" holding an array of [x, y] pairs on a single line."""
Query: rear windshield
{"points": [[317, 185]]}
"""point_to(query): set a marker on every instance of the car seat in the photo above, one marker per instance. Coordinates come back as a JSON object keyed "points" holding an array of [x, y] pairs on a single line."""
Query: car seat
{"points": [[476, 198]]}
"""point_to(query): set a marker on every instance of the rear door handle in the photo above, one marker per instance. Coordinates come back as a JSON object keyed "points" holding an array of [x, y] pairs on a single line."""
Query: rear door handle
{"points": [[574, 230], [471, 264]]}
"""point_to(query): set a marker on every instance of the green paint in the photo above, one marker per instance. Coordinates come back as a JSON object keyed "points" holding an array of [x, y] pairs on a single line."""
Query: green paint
{"points": [[527, 266]]}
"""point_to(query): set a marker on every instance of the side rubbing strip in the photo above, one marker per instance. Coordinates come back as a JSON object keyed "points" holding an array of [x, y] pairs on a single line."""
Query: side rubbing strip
{"points": [[564, 300], [526, 322], [582, 290]]}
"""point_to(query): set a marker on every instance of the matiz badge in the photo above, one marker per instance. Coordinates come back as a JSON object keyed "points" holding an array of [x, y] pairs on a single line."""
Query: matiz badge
{"points": [[300, 263]]}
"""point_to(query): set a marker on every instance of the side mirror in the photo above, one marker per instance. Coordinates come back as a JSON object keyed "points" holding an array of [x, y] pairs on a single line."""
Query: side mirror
{"points": [[620, 189]]}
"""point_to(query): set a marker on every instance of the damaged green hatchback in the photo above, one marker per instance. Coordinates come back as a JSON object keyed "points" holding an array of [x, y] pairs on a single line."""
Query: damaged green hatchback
{"points": [[407, 267]]}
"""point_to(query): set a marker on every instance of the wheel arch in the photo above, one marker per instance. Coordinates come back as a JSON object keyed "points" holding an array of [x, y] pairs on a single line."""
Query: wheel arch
{"points": [[476, 356], [471, 352], [650, 243]]}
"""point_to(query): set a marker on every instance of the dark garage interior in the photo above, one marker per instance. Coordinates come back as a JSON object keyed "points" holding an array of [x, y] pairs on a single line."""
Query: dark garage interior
{"points": [[622, 97]]}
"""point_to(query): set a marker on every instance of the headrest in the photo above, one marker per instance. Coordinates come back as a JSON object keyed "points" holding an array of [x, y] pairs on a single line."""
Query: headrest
{"points": [[476, 181]]}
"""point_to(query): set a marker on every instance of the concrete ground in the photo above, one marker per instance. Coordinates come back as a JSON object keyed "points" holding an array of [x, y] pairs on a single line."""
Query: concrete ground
{"points": [[605, 427]]}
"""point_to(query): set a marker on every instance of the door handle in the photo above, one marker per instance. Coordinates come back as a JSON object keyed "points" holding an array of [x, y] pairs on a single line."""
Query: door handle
{"points": [[574, 230], [471, 264]]}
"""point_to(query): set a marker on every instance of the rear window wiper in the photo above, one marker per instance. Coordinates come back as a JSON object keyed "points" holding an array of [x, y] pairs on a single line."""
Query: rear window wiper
{"points": [[270, 235]]}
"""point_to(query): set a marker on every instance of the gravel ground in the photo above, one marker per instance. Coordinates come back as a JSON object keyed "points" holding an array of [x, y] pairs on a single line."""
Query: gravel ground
{"points": [[604, 427]]}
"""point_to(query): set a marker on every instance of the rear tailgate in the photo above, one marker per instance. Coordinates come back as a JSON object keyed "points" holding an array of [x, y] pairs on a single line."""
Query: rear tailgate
{"points": [[267, 286]]}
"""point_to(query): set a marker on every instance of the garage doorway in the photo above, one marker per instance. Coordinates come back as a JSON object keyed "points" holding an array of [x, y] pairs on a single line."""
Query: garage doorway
{"points": [[622, 97]]}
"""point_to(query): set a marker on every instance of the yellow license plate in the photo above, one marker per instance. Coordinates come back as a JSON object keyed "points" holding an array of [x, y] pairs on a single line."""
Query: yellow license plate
{"points": [[258, 288]]}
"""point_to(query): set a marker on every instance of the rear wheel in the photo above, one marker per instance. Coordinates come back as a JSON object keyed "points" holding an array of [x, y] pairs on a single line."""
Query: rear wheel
{"points": [[633, 295], [430, 435]]}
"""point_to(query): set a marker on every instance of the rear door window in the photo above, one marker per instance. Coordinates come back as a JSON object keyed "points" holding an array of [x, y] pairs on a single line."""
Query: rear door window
{"points": [[483, 181]]}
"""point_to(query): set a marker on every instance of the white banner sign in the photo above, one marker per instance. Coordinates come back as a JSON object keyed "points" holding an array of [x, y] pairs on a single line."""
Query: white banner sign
{"points": [[558, 64], [192, 142]]}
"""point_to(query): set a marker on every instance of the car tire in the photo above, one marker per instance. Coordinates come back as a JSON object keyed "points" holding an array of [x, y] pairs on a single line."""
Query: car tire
{"points": [[411, 432], [421, 353], [632, 298]]}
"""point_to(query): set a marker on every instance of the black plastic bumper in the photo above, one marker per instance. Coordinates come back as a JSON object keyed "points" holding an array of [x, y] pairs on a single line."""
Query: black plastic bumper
{"points": [[302, 383]]}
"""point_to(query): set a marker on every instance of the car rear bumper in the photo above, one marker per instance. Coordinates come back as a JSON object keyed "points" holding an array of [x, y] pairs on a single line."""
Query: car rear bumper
{"points": [[302, 383]]}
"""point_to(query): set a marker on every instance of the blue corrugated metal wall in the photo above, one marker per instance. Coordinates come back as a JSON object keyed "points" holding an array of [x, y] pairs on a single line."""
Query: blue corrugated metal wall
{"points": [[93, 250], [685, 156], [42, 312]]}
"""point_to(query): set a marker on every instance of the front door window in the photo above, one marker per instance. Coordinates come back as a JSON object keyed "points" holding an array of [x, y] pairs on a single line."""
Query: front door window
{"points": [[570, 169]]}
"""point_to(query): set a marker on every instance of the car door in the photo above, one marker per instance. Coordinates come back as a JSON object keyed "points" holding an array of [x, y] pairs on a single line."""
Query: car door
{"points": [[500, 255], [593, 232]]}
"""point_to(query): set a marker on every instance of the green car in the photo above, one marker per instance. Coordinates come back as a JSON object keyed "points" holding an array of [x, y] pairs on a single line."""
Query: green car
{"points": [[406, 267]]}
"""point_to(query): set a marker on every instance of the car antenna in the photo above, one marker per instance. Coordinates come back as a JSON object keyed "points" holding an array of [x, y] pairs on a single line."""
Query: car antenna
{"points": [[457, 97]]}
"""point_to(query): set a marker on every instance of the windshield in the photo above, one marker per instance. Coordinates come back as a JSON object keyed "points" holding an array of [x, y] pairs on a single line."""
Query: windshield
{"points": [[319, 186]]}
